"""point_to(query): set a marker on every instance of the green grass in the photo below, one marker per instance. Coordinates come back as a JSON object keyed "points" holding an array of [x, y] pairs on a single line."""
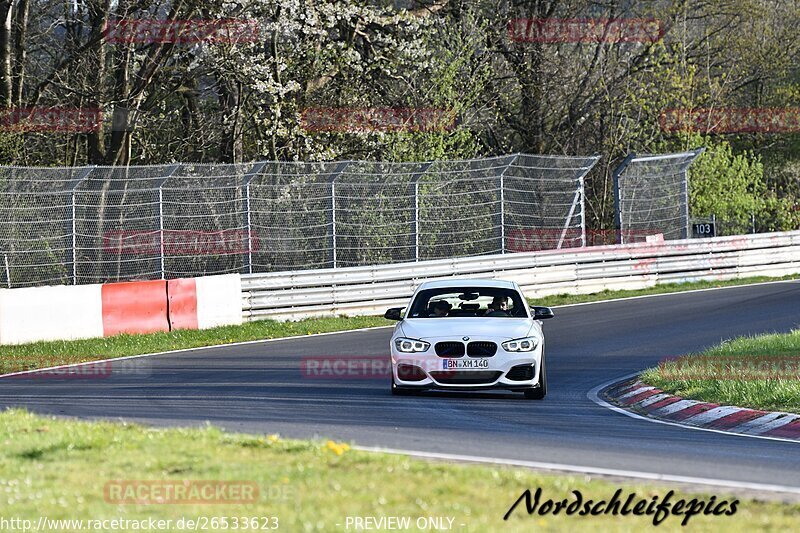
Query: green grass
{"points": [[761, 372], [59, 469], [567, 299], [45, 354], [51, 353]]}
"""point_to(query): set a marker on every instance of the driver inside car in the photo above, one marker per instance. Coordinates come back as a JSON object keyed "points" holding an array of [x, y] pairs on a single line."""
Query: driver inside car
{"points": [[498, 307], [440, 308]]}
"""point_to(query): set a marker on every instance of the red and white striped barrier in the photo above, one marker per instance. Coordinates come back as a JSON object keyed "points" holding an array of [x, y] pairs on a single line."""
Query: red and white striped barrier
{"points": [[88, 311], [134, 307], [655, 403]]}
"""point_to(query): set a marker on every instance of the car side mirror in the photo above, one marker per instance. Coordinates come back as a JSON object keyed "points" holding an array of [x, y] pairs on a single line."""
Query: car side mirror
{"points": [[542, 313], [395, 313]]}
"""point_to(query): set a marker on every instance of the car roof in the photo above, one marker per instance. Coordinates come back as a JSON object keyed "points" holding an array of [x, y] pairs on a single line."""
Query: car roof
{"points": [[459, 282]]}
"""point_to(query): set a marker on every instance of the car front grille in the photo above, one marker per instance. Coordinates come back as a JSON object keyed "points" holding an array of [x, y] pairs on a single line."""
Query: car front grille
{"points": [[520, 373], [465, 377], [449, 349], [481, 349]]}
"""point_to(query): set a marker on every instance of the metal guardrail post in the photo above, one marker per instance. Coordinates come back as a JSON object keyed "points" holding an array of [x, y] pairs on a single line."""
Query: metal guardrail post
{"points": [[253, 172], [73, 187], [170, 171], [617, 198], [415, 205], [340, 168]]}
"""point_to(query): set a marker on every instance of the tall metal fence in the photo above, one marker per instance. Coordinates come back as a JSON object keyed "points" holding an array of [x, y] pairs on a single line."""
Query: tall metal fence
{"points": [[100, 224], [652, 196]]}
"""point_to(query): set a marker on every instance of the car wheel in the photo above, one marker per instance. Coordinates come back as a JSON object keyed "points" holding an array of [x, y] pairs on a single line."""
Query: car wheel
{"points": [[539, 391]]}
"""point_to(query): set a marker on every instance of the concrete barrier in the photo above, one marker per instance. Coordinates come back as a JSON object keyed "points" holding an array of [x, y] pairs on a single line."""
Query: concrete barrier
{"points": [[219, 300], [88, 311], [135, 307], [50, 313]]}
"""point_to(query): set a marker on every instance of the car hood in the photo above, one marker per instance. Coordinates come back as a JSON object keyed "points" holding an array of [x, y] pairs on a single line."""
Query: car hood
{"points": [[433, 328]]}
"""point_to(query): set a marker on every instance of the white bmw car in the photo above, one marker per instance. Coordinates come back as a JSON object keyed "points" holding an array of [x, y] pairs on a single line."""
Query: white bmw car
{"points": [[467, 335]]}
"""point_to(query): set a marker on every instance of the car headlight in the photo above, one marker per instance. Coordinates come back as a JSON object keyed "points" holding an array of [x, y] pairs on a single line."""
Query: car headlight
{"points": [[528, 344], [411, 345]]}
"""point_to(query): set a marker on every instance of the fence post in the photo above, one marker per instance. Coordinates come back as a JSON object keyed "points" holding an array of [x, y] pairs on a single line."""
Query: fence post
{"points": [[253, 172], [170, 171], [685, 193], [415, 205], [576, 200], [578, 197], [340, 167], [617, 198], [582, 185], [685, 190], [502, 188], [73, 187], [8, 271], [582, 189]]}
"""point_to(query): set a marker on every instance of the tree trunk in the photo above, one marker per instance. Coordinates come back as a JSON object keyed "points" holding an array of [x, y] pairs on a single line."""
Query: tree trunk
{"points": [[95, 140], [231, 143], [6, 16], [20, 32]]}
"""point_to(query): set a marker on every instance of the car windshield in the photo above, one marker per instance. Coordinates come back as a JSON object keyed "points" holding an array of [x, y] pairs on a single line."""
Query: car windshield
{"points": [[490, 302]]}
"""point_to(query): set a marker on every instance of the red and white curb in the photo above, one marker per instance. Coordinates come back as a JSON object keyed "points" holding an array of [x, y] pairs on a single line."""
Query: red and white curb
{"points": [[633, 395]]}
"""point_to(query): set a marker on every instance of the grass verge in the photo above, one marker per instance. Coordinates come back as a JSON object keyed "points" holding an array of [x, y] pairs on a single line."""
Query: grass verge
{"points": [[64, 470], [567, 299], [52, 353], [45, 354], [760, 372]]}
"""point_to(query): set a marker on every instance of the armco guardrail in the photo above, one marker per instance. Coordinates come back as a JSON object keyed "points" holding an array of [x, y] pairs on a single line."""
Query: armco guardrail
{"points": [[369, 290]]}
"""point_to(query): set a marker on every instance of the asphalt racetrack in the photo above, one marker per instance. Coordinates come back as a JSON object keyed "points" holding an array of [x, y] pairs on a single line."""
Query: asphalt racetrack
{"points": [[259, 387]]}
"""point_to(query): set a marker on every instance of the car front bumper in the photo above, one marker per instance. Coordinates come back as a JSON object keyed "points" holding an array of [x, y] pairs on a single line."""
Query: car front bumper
{"points": [[428, 370]]}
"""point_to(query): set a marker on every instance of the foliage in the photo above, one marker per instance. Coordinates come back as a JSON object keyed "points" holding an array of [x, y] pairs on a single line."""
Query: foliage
{"points": [[730, 186], [218, 101]]}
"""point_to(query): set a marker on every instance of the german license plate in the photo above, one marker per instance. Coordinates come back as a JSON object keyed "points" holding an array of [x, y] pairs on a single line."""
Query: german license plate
{"points": [[458, 364]]}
